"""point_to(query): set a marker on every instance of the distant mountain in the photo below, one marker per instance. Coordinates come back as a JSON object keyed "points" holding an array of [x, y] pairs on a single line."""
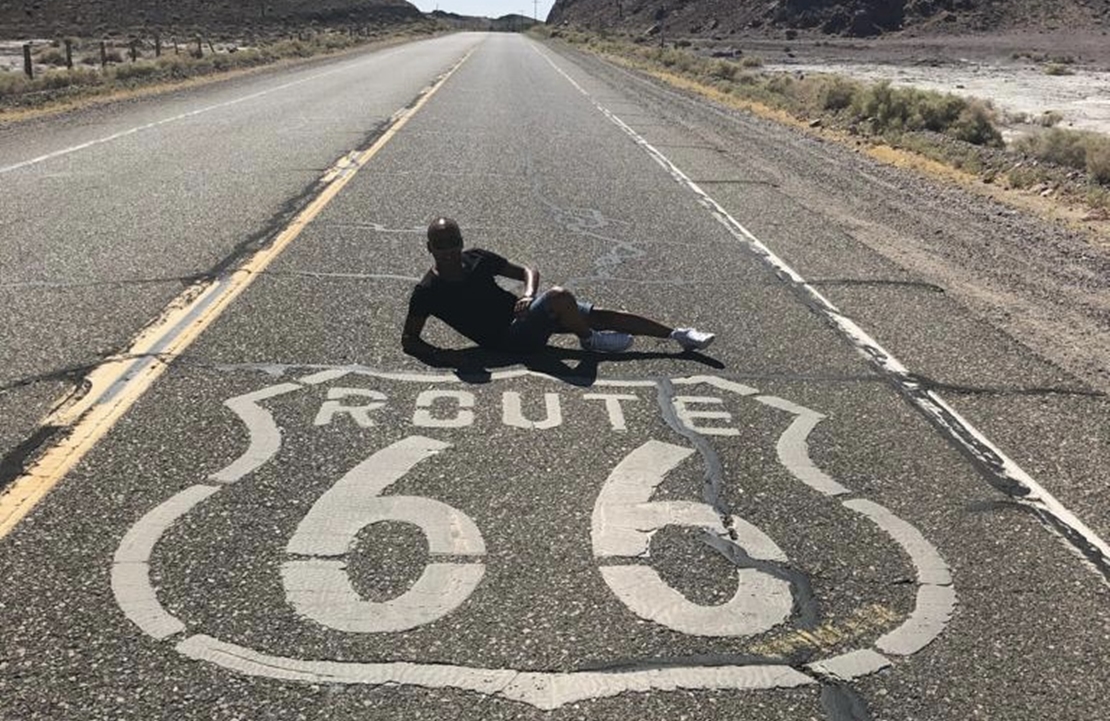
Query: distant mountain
{"points": [[87, 17], [505, 23], [839, 17]]}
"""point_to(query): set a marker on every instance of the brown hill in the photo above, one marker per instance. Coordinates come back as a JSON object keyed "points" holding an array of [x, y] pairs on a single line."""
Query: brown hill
{"points": [[721, 18], [27, 18]]}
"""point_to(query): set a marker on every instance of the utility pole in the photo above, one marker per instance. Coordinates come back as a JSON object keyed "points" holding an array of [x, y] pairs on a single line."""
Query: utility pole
{"points": [[536, 10]]}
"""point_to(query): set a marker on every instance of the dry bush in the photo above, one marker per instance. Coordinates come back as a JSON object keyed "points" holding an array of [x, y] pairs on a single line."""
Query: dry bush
{"points": [[1058, 69], [724, 70], [1098, 160], [1078, 149], [975, 124], [52, 56], [13, 83], [835, 92], [1049, 119], [1057, 146]]}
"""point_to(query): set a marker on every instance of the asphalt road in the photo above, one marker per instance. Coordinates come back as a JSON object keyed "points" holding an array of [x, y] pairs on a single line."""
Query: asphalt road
{"points": [[296, 520]]}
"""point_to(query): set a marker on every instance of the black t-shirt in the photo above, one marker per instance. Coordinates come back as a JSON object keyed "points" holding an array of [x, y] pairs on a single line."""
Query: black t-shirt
{"points": [[474, 305]]}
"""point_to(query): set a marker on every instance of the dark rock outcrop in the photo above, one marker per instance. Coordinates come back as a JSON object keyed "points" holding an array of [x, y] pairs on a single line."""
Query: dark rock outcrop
{"points": [[860, 18], [87, 17]]}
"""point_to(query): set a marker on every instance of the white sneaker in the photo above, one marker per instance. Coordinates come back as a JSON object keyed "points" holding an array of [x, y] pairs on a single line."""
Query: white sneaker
{"points": [[607, 341], [692, 338]]}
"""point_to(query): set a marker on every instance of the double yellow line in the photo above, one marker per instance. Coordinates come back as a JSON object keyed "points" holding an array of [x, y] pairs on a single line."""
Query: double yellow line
{"points": [[114, 387]]}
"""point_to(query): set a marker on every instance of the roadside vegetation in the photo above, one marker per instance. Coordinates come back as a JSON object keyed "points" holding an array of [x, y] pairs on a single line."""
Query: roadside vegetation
{"points": [[962, 133], [128, 64]]}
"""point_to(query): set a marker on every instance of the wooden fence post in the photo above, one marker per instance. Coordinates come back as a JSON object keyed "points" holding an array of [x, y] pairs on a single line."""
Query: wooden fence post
{"points": [[103, 54], [200, 47], [157, 46], [133, 49], [69, 53], [28, 69]]}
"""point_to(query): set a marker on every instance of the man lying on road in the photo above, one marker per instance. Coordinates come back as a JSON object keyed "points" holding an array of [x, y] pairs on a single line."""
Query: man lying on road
{"points": [[461, 291]]}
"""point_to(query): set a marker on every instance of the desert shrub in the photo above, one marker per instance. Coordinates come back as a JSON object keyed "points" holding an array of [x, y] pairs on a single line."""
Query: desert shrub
{"points": [[1049, 119], [114, 56], [133, 71], [1058, 146], [780, 85], [932, 111], [12, 83], [58, 79], [751, 61], [52, 56], [836, 92], [1058, 69], [675, 59], [175, 67], [724, 70], [1098, 159], [291, 49], [1026, 177], [975, 124], [1076, 149], [883, 105]]}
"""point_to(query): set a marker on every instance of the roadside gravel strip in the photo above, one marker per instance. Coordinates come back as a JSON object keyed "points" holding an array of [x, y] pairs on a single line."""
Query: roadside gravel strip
{"points": [[999, 470]]}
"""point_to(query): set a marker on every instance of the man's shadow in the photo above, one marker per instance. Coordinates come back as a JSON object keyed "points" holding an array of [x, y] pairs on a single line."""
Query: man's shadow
{"points": [[575, 367]]}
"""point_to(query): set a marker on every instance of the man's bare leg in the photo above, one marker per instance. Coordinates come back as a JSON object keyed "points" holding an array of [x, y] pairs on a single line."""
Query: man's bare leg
{"points": [[627, 323]]}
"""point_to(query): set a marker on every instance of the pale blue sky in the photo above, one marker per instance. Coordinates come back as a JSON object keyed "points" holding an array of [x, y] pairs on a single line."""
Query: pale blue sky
{"points": [[488, 8]]}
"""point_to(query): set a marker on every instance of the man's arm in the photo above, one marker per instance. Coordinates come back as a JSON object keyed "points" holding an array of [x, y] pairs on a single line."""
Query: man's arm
{"points": [[411, 342], [531, 279]]}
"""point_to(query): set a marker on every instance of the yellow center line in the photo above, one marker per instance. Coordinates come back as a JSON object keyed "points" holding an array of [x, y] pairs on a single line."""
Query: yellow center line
{"points": [[114, 387]]}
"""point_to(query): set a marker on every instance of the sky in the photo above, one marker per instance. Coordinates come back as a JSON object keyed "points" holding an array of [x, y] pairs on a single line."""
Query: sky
{"points": [[488, 8]]}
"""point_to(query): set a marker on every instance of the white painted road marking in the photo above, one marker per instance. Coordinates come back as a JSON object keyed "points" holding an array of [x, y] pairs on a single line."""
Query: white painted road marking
{"points": [[623, 506], [319, 587]]}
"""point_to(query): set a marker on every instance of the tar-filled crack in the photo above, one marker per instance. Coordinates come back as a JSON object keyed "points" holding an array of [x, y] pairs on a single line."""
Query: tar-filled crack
{"points": [[805, 605], [707, 660], [935, 385], [184, 280], [841, 703], [14, 463], [932, 287], [734, 181]]}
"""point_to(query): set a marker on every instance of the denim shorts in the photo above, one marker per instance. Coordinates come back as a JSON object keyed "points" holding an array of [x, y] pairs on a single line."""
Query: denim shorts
{"points": [[532, 331]]}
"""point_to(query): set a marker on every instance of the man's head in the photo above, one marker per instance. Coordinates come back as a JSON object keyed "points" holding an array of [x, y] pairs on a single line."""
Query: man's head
{"points": [[444, 236]]}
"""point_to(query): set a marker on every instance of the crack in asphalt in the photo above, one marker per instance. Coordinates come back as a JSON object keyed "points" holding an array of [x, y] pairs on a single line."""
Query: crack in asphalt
{"points": [[185, 280], [871, 282]]}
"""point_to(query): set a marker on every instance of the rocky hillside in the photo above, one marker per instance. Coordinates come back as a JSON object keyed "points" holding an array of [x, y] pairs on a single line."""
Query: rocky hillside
{"points": [[27, 18], [859, 18]]}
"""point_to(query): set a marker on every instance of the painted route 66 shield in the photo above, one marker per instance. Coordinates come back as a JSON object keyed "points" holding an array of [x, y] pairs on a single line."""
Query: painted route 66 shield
{"points": [[528, 538]]}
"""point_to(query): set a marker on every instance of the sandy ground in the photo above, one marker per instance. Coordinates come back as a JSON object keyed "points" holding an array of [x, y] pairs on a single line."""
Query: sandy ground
{"points": [[994, 67], [1082, 99]]}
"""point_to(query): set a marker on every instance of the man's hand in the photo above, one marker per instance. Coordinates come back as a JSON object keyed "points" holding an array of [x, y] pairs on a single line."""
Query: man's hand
{"points": [[522, 305]]}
